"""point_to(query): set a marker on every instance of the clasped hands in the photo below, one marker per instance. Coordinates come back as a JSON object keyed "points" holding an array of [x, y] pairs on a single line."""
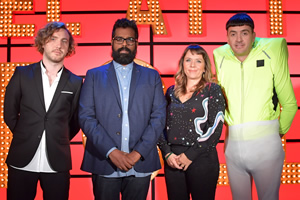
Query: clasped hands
{"points": [[124, 161], [178, 161]]}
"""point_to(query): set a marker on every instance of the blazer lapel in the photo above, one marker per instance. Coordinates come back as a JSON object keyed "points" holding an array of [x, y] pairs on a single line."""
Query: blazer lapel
{"points": [[37, 74], [111, 74], [136, 73], [62, 82]]}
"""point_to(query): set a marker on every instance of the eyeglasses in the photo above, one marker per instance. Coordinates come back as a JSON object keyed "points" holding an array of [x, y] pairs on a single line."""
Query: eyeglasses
{"points": [[129, 41]]}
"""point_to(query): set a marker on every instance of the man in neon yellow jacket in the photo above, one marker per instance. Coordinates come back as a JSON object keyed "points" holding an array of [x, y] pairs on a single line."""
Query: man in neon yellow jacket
{"points": [[254, 74]]}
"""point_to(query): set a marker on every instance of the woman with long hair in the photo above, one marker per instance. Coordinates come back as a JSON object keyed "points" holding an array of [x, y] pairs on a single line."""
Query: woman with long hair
{"points": [[195, 116]]}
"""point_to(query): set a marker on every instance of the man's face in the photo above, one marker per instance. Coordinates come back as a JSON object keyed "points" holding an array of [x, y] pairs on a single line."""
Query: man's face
{"points": [[124, 52], [240, 39], [56, 47]]}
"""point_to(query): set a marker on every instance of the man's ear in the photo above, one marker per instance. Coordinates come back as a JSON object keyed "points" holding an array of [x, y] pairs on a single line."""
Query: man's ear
{"points": [[254, 36]]}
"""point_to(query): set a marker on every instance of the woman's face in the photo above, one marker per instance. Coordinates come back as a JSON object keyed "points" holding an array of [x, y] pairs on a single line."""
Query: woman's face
{"points": [[193, 65]]}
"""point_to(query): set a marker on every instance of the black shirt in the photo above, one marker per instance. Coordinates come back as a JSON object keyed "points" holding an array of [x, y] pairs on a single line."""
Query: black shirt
{"points": [[196, 123]]}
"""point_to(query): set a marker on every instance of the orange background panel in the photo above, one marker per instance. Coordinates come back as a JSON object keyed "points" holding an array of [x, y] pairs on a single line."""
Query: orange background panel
{"points": [[38, 20]]}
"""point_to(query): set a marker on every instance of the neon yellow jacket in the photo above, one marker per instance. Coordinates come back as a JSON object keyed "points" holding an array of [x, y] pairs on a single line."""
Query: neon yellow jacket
{"points": [[249, 85]]}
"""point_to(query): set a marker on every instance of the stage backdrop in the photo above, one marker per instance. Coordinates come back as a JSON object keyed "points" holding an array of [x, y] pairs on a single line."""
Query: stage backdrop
{"points": [[166, 27]]}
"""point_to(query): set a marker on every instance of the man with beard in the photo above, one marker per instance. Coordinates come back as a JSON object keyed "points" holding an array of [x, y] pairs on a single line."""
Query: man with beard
{"points": [[122, 113], [41, 110]]}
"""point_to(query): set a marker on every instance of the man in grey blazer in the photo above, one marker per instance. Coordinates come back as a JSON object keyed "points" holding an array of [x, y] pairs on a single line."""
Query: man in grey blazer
{"points": [[41, 110], [122, 112]]}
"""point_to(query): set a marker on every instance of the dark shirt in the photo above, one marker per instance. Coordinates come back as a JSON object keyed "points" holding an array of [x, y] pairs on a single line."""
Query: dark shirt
{"points": [[196, 123]]}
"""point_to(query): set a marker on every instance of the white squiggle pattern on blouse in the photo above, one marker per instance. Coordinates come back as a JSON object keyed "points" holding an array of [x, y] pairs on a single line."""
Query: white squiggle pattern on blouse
{"points": [[200, 120]]}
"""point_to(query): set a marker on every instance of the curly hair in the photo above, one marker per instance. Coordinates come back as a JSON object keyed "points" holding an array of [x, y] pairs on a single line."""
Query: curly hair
{"points": [[45, 33], [180, 76]]}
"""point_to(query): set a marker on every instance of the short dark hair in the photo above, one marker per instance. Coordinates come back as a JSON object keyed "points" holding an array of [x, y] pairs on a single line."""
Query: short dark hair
{"points": [[125, 23], [240, 19], [45, 33]]}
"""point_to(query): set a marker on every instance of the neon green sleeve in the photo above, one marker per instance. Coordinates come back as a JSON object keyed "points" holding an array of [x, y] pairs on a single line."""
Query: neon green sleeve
{"points": [[283, 86]]}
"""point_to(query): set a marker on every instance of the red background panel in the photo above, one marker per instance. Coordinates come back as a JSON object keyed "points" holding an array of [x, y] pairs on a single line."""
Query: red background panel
{"points": [[78, 137], [290, 5], [77, 156], [3, 54], [215, 5], [25, 54], [221, 150], [168, 82], [163, 52], [3, 40], [292, 27], [80, 189], [93, 5], [214, 27], [160, 192], [166, 57], [294, 52], [235, 5], [294, 132], [296, 86], [293, 149], [96, 28]]}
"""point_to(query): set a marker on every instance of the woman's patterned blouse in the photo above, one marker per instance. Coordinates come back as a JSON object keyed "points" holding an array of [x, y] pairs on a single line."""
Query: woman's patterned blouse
{"points": [[196, 123]]}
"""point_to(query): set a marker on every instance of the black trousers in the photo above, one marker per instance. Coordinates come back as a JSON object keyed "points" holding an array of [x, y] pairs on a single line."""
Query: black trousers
{"points": [[22, 185], [199, 180], [131, 187]]}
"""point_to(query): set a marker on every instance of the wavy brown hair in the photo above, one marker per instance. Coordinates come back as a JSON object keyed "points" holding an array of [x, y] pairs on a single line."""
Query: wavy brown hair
{"points": [[45, 33], [180, 76]]}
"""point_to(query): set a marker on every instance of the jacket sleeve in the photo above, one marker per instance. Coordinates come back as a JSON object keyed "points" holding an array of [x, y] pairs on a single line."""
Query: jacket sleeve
{"points": [[98, 138], [216, 108], [12, 100], [284, 87], [157, 121], [74, 123], [163, 139]]}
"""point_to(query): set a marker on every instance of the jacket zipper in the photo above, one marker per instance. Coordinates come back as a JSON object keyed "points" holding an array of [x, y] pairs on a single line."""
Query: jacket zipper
{"points": [[242, 93]]}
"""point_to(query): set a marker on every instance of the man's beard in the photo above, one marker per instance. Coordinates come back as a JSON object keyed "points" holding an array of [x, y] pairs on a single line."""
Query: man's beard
{"points": [[123, 58]]}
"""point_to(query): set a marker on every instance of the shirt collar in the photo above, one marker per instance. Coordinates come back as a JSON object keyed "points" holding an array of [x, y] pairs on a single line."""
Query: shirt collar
{"points": [[118, 65], [44, 69]]}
